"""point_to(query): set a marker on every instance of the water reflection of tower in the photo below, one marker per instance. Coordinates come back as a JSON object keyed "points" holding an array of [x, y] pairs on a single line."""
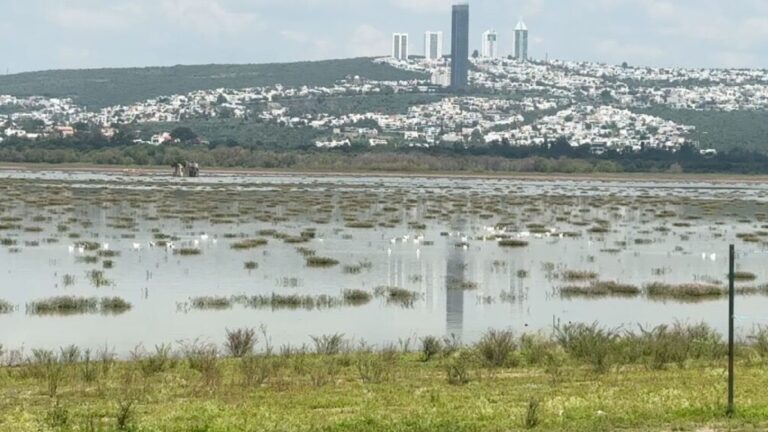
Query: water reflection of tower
{"points": [[454, 276]]}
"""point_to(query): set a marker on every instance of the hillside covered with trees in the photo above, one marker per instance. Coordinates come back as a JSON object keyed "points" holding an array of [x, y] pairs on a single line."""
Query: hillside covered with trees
{"points": [[97, 88]]}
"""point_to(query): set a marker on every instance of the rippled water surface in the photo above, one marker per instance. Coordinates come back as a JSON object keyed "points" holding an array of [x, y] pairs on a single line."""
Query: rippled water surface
{"points": [[435, 237]]}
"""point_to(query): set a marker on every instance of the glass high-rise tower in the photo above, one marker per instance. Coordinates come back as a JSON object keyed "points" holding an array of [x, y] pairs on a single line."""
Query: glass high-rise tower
{"points": [[521, 41], [460, 47]]}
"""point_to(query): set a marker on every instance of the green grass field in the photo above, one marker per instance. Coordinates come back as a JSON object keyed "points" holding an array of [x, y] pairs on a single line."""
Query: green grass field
{"points": [[668, 379]]}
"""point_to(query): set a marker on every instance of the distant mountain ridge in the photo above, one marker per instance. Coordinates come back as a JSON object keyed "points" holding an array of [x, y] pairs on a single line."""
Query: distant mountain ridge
{"points": [[98, 88]]}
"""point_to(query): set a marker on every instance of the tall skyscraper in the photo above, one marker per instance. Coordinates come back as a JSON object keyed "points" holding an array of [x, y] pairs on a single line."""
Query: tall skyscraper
{"points": [[521, 41], [489, 47], [460, 47], [400, 46], [433, 45]]}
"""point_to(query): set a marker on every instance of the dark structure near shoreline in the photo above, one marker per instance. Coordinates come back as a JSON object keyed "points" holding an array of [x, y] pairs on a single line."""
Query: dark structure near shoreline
{"points": [[460, 47]]}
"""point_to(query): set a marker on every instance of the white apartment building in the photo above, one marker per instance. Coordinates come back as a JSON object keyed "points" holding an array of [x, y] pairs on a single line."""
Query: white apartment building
{"points": [[400, 46], [489, 44]]}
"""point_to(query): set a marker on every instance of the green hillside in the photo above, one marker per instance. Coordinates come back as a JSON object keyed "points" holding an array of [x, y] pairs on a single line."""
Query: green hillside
{"points": [[96, 88], [746, 130]]}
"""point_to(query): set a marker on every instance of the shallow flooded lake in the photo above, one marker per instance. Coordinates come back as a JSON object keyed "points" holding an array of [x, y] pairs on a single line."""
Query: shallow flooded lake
{"points": [[378, 259]]}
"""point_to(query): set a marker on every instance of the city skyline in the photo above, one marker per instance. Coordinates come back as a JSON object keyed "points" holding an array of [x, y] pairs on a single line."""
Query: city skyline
{"points": [[93, 34]]}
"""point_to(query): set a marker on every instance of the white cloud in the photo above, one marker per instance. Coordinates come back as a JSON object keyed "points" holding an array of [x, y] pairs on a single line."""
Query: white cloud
{"points": [[366, 41], [208, 17]]}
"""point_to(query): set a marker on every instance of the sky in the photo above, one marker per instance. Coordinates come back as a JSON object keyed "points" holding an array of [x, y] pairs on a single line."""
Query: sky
{"points": [[74, 34]]}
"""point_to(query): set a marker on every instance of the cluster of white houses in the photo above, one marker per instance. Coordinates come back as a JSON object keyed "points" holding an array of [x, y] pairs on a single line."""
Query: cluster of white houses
{"points": [[532, 102]]}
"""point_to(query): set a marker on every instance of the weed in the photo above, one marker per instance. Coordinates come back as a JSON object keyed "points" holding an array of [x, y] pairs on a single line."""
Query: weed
{"points": [[496, 347], [430, 347], [532, 414], [587, 342], [328, 344], [240, 342], [458, 367]]}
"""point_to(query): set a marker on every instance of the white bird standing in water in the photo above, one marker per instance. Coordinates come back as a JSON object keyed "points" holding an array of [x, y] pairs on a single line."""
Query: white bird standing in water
{"points": [[713, 257], [72, 249], [389, 252], [204, 237], [105, 246], [81, 249], [136, 246]]}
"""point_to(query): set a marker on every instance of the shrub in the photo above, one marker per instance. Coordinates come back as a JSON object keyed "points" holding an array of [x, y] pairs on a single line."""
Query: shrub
{"points": [[532, 414], [240, 342], [587, 342], [495, 347], [256, 370], [430, 347], [372, 367], [458, 367], [328, 344]]}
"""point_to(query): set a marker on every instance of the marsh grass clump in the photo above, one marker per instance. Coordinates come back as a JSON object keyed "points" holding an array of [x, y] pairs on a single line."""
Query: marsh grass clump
{"points": [[208, 303], [691, 291], [356, 297], [496, 347], [531, 419], [396, 295], [431, 346], [68, 305], [305, 252], [664, 344], [589, 343], [240, 342], [600, 289], [458, 367], [293, 301], [316, 261], [373, 367], [187, 251], [361, 224], [161, 360], [87, 259], [90, 246], [98, 279], [328, 344], [5, 307], [249, 244], [576, 275], [251, 265], [512, 243], [203, 357], [743, 276], [114, 305], [64, 305]]}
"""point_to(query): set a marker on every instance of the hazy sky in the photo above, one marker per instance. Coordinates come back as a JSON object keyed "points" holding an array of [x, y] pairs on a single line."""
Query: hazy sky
{"points": [[54, 34]]}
